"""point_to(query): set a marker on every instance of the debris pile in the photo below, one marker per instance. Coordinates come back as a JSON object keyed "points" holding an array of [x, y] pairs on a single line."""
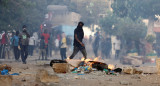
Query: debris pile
{"points": [[82, 67]]}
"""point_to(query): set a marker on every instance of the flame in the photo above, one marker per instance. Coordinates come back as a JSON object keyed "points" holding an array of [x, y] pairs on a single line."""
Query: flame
{"points": [[95, 59], [90, 65], [110, 66], [68, 58], [82, 59], [87, 60]]}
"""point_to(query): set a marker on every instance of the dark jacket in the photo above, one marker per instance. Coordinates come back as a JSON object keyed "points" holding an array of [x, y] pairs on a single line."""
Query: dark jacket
{"points": [[80, 34], [24, 38]]}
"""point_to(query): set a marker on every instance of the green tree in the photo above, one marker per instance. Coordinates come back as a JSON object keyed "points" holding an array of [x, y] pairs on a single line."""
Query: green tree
{"points": [[19, 12], [127, 29], [134, 9]]}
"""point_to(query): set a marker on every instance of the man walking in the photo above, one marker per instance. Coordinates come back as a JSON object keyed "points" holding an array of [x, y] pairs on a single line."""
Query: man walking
{"points": [[78, 44], [24, 41], [15, 41]]}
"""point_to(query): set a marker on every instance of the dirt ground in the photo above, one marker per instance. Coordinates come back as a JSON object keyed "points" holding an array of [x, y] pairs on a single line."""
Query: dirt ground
{"points": [[28, 72]]}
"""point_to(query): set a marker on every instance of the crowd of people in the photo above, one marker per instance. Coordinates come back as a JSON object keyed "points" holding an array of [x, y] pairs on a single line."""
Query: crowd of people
{"points": [[22, 44], [104, 45]]}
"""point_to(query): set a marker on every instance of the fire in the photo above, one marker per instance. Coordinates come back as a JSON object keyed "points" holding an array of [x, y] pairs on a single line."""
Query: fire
{"points": [[87, 60], [95, 59], [68, 58], [110, 66], [82, 59]]}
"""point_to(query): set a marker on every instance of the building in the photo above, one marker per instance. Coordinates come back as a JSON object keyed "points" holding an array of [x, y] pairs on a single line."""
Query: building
{"points": [[61, 16]]}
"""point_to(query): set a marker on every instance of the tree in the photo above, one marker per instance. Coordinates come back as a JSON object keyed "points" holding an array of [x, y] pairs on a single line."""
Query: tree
{"points": [[127, 29], [134, 9], [124, 27], [107, 23], [90, 10], [19, 12]]}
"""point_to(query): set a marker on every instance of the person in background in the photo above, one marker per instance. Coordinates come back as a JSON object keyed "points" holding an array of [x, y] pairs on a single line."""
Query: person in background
{"points": [[50, 45], [56, 45], [31, 45], [78, 44], [8, 45], [69, 42], [108, 47], [14, 42], [90, 38], [3, 45], [42, 49], [46, 38], [24, 42], [63, 47], [96, 44], [117, 47]]}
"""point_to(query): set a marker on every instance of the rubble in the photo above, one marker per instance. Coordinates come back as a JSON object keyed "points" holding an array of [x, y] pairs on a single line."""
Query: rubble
{"points": [[132, 60], [131, 70], [73, 62], [76, 77], [5, 66], [61, 67], [6, 80], [135, 77], [43, 76], [125, 83]]}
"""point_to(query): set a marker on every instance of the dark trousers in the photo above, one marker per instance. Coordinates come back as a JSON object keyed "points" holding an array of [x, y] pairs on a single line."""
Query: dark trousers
{"points": [[63, 53], [117, 54], [95, 50], [3, 51], [16, 52], [50, 51], [47, 54], [31, 49], [24, 53], [76, 50]]}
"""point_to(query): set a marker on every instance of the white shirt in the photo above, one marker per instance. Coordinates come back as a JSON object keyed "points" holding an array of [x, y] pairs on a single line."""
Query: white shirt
{"points": [[35, 34], [31, 40], [57, 43], [117, 44]]}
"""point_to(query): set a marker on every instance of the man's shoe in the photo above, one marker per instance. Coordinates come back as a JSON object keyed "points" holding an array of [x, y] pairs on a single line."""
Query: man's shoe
{"points": [[25, 62]]}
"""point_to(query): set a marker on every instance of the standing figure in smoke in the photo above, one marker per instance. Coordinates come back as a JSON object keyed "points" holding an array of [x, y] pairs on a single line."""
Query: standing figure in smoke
{"points": [[108, 47], [117, 47], [14, 42], [63, 47], [96, 44], [46, 38], [24, 42], [78, 44]]}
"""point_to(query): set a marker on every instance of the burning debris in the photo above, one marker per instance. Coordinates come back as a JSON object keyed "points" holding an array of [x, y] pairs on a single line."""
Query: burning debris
{"points": [[83, 66]]}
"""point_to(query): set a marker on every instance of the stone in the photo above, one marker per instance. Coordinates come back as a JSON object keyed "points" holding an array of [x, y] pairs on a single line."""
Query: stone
{"points": [[76, 77], [6, 80], [135, 77], [43, 76], [131, 70], [125, 83], [5, 66], [61, 67]]}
